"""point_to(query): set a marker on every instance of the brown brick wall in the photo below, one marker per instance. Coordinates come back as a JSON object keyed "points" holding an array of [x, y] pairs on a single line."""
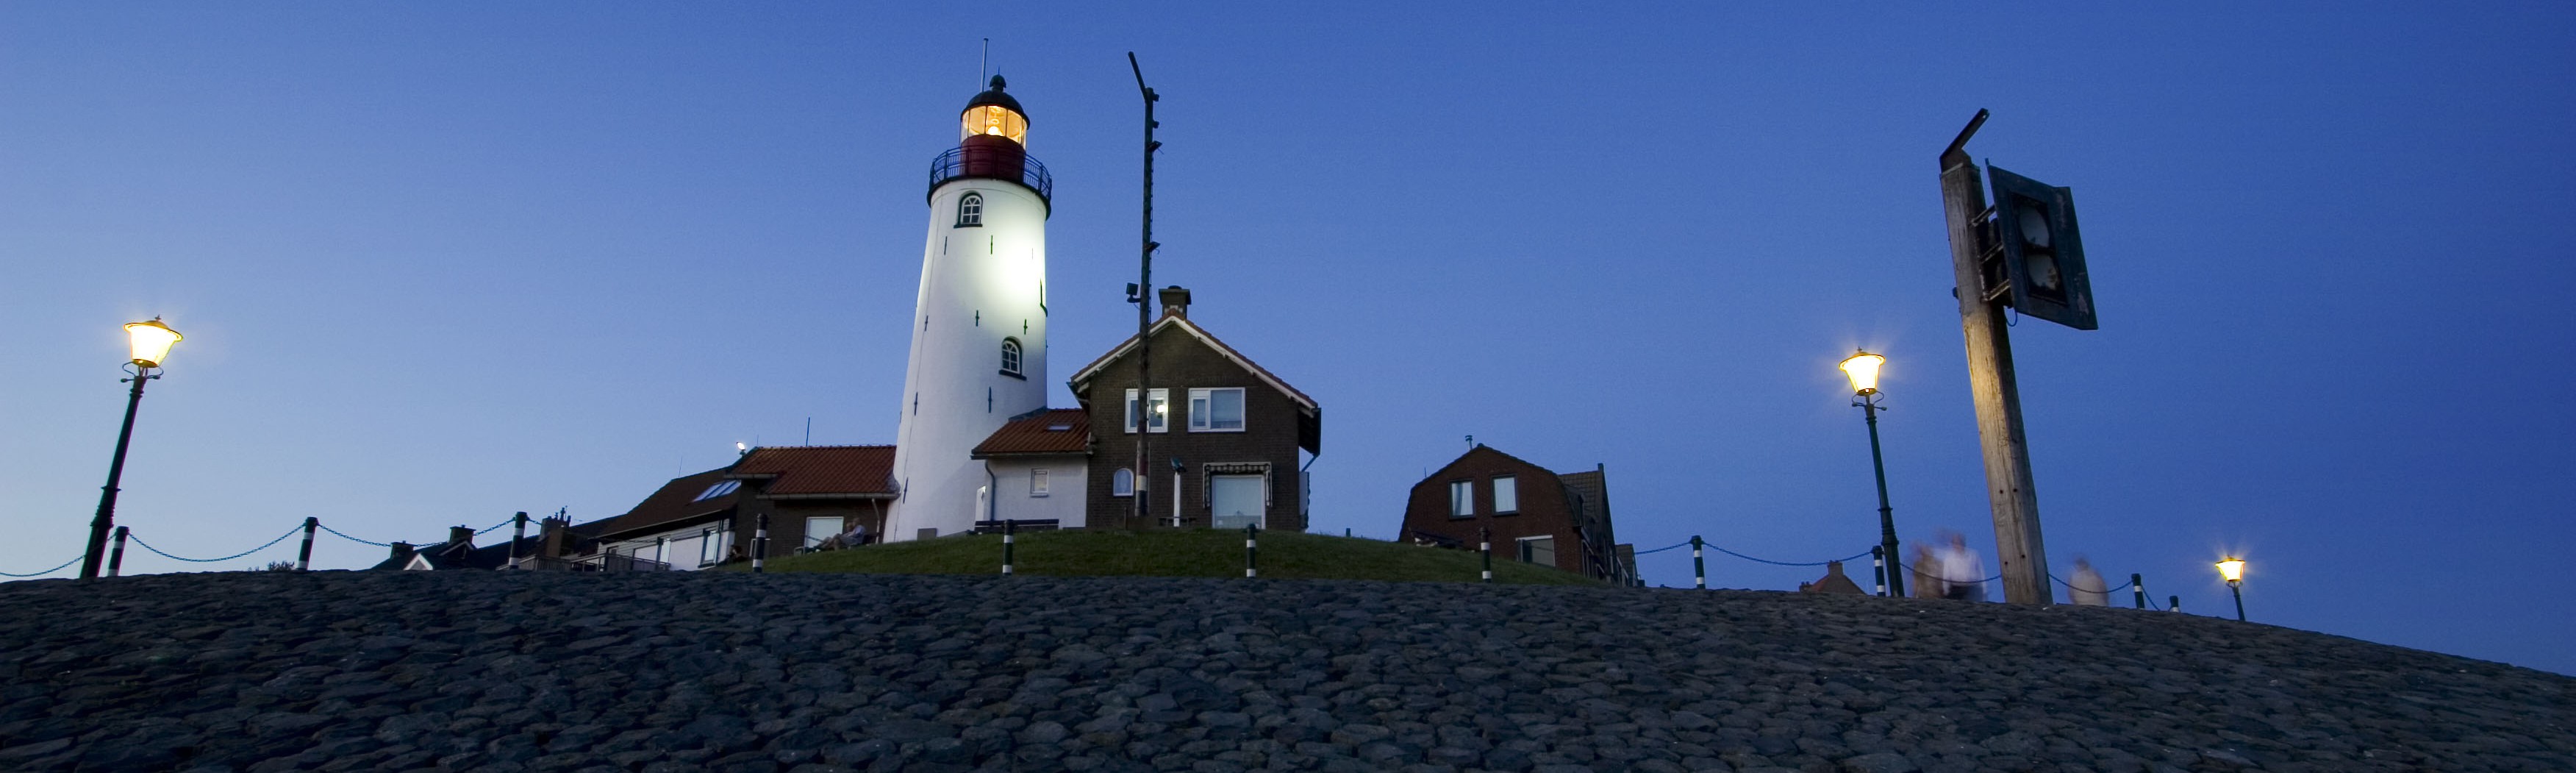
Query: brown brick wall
{"points": [[1544, 510]]}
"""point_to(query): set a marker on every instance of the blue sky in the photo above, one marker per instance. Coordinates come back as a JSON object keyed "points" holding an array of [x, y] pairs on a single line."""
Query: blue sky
{"points": [[441, 262]]}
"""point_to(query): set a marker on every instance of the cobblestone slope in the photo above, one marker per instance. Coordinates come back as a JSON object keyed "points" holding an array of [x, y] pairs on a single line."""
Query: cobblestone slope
{"points": [[489, 671]]}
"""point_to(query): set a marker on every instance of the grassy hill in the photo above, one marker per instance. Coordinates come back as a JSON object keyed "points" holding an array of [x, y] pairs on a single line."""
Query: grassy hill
{"points": [[1172, 553]]}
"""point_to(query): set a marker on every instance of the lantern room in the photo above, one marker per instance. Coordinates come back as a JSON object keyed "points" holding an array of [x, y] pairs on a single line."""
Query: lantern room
{"points": [[995, 114]]}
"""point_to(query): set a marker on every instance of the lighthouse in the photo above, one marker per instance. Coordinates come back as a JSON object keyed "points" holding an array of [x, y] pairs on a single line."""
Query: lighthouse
{"points": [[979, 346]]}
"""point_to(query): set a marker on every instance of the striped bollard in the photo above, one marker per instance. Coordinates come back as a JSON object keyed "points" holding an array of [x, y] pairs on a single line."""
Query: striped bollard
{"points": [[759, 541], [1878, 564], [517, 535], [304, 557], [2139, 586], [116, 557], [1699, 567], [2176, 603], [1485, 545], [1006, 545], [1251, 550]]}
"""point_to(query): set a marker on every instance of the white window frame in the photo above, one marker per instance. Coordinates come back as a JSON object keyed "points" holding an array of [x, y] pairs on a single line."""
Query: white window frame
{"points": [[1011, 355], [838, 526], [1462, 499], [1037, 483], [970, 210], [1122, 483], [1507, 494], [1203, 409], [1158, 422], [1520, 549]]}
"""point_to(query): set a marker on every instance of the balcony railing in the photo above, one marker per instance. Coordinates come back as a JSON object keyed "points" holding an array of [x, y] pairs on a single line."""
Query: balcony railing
{"points": [[955, 164]]}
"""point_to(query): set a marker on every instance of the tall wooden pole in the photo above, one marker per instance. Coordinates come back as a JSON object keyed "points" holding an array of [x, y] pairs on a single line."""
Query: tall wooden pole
{"points": [[1990, 381], [1144, 305]]}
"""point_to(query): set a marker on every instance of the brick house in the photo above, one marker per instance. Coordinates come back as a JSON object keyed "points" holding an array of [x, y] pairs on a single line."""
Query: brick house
{"points": [[1225, 432], [809, 493], [1534, 515]]}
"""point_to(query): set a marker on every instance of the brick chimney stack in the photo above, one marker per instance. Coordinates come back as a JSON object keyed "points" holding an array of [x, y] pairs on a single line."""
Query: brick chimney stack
{"points": [[1176, 301], [460, 535]]}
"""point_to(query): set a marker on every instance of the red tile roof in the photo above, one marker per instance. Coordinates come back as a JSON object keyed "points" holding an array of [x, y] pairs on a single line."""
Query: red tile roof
{"points": [[855, 471], [1049, 431], [676, 502]]}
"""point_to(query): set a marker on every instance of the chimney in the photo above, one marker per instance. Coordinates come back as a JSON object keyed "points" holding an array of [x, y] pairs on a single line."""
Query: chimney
{"points": [[1176, 301], [550, 537], [460, 535], [401, 553]]}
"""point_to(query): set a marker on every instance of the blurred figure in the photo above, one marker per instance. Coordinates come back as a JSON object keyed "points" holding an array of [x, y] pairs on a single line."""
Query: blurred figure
{"points": [[1926, 574], [1961, 570], [2086, 588]]}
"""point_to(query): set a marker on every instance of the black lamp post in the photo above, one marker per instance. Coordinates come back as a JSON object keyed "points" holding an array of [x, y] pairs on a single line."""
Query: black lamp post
{"points": [[2233, 569], [1863, 370], [151, 342]]}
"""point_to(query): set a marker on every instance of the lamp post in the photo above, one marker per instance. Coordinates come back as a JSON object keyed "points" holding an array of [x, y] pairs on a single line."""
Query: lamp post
{"points": [[151, 342], [1863, 367], [2233, 569]]}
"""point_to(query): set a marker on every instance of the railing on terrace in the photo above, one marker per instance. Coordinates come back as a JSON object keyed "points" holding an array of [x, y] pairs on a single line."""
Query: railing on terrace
{"points": [[955, 164]]}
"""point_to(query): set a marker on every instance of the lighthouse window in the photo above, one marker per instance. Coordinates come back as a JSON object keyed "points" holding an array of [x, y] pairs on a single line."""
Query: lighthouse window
{"points": [[1010, 356], [970, 210]]}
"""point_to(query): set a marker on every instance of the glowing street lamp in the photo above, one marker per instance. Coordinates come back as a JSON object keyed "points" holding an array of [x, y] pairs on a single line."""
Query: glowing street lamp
{"points": [[1863, 370], [151, 342], [2233, 569]]}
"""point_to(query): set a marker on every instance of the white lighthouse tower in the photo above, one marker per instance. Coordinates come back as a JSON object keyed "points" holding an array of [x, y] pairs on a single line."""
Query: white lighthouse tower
{"points": [[979, 325]]}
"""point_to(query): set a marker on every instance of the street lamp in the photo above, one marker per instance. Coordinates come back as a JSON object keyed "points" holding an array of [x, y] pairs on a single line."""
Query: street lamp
{"points": [[2233, 569], [151, 342], [1863, 367]]}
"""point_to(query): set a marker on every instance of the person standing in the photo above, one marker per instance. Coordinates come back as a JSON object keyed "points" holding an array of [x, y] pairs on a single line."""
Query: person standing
{"points": [[1925, 574], [1962, 571], [2086, 588]]}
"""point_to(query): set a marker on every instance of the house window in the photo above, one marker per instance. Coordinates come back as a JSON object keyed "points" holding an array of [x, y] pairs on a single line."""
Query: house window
{"points": [[1122, 483], [1037, 483], [970, 210], [720, 489], [1010, 356], [1235, 501], [1216, 410], [1157, 408], [1538, 550], [1507, 494], [820, 528], [1462, 498], [708, 550]]}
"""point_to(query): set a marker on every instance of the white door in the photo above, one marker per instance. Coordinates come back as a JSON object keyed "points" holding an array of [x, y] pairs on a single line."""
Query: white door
{"points": [[1236, 500]]}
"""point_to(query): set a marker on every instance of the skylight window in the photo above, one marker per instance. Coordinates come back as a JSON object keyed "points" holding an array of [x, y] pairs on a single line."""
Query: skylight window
{"points": [[1059, 427], [717, 490]]}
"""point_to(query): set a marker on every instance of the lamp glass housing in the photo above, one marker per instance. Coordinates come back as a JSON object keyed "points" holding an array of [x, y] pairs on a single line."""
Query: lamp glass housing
{"points": [[995, 120], [1863, 370], [151, 341], [2233, 569]]}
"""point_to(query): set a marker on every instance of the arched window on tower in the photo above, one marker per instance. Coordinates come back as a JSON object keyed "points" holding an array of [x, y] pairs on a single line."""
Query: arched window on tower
{"points": [[970, 210], [1010, 356]]}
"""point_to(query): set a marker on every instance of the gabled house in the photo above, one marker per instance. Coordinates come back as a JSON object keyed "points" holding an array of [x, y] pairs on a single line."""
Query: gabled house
{"points": [[810, 494], [1224, 432], [1531, 514]]}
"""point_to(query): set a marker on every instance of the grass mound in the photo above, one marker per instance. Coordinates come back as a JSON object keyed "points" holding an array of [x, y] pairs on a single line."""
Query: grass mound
{"points": [[1171, 553]]}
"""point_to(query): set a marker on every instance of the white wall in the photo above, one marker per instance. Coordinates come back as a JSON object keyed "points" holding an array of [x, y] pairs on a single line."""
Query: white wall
{"points": [[1067, 483], [683, 545]]}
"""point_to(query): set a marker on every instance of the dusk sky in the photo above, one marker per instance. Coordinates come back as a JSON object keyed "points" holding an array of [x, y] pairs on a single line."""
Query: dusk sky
{"points": [[440, 262]]}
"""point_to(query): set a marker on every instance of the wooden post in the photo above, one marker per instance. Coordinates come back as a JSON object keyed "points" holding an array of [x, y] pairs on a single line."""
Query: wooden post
{"points": [[1990, 381], [1485, 545], [1699, 568], [2139, 590], [116, 559], [759, 542], [304, 556]]}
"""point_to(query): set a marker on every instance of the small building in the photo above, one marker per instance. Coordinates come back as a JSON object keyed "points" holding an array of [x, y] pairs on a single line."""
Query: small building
{"points": [[810, 494], [1223, 433], [1834, 581], [1037, 468], [1532, 514]]}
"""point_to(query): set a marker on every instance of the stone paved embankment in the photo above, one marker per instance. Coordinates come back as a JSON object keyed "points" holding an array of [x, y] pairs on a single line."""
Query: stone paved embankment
{"points": [[489, 671]]}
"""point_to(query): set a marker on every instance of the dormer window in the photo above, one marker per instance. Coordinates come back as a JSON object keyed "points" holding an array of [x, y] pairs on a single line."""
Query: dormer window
{"points": [[1011, 357], [970, 210]]}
